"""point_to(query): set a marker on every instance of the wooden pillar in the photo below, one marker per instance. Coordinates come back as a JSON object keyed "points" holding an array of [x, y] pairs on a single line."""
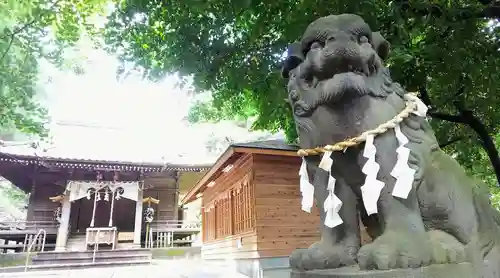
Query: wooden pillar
{"points": [[96, 194], [177, 176], [32, 199], [62, 231], [138, 217]]}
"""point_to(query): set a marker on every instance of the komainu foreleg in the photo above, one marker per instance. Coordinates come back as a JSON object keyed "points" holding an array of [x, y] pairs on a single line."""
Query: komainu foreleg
{"points": [[338, 246], [404, 242]]}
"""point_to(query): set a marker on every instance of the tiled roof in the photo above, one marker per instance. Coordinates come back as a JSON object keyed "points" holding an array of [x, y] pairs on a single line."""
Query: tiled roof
{"points": [[276, 144], [66, 162]]}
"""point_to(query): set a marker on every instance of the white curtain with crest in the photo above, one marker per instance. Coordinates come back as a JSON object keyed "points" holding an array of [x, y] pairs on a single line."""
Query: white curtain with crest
{"points": [[78, 189]]}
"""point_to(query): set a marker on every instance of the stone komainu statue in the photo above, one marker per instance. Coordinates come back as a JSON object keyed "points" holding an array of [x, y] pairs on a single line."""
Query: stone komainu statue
{"points": [[339, 88]]}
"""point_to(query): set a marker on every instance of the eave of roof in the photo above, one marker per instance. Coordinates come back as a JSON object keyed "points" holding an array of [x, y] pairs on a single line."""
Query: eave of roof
{"points": [[270, 147], [62, 162]]}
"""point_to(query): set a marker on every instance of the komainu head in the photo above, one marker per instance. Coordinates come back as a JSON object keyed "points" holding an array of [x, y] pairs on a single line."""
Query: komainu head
{"points": [[339, 59]]}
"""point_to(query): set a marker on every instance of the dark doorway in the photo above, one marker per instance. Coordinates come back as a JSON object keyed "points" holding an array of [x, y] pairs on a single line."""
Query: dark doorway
{"points": [[123, 214]]}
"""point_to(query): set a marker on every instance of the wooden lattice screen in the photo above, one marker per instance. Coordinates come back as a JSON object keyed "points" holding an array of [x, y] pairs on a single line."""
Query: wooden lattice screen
{"points": [[210, 223], [243, 207], [223, 216], [231, 213]]}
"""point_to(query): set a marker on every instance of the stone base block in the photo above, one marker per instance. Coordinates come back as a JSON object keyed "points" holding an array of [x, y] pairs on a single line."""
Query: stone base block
{"points": [[464, 270]]}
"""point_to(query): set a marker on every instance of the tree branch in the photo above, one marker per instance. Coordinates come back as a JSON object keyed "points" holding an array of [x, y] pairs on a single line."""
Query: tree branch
{"points": [[13, 34], [475, 124], [8, 47], [31, 22], [492, 11], [452, 141], [424, 95], [465, 116], [447, 117], [19, 30]]}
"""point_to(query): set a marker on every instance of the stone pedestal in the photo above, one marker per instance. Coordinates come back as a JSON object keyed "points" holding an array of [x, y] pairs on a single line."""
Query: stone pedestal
{"points": [[464, 270]]}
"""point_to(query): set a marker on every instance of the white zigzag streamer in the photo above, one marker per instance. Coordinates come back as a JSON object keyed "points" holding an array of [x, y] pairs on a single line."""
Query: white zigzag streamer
{"points": [[332, 203], [306, 188], [370, 191], [421, 110], [403, 174]]}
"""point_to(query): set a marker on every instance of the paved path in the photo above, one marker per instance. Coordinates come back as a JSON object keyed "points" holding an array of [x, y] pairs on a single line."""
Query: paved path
{"points": [[159, 269]]}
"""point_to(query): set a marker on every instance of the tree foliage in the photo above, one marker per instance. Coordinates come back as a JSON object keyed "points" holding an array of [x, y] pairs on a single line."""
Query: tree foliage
{"points": [[31, 30], [447, 50]]}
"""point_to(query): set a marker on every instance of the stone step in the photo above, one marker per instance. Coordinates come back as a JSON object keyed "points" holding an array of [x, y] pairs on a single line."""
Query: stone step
{"points": [[19, 270], [77, 237], [56, 255], [100, 258], [68, 266]]}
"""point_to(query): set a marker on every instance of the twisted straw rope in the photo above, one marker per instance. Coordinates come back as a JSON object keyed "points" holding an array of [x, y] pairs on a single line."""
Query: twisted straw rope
{"points": [[411, 106]]}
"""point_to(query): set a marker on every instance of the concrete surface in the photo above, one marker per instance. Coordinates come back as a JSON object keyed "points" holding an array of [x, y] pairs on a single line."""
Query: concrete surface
{"points": [[184, 268]]}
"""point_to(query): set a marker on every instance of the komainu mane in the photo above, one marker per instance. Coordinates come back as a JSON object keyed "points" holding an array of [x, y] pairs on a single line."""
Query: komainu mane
{"points": [[339, 88]]}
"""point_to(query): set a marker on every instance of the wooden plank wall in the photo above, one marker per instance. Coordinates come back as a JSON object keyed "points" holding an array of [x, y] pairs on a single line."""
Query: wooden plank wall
{"points": [[281, 224], [42, 208], [162, 186], [238, 245]]}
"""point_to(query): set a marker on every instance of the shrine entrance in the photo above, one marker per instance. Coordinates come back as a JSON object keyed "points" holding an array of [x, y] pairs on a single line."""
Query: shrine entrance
{"points": [[123, 215], [104, 212]]}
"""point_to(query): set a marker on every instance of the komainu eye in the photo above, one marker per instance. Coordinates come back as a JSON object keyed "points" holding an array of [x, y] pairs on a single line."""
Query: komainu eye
{"points": [[294, 96], [316, 45], [363, 39]]}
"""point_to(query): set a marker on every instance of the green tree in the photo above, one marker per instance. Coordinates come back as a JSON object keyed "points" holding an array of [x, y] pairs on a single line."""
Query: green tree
{"points": [[31, 30], [446, 50]]}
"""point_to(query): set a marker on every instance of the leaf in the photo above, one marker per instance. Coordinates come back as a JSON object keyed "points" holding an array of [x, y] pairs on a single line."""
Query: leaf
{"points": [[235, 52]]}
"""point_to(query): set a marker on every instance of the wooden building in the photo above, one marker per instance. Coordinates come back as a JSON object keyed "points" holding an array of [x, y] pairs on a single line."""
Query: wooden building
{"points": [[251, 210], [74, 200]]}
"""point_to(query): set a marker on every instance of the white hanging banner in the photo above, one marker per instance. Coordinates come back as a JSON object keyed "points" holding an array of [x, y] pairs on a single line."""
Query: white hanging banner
{"points": [[130, 189], [78, 189]]}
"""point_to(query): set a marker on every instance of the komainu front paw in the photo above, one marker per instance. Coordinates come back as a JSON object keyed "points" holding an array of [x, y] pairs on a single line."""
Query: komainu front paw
{"points": [[396, 250], [323, 256], [446, 249]]}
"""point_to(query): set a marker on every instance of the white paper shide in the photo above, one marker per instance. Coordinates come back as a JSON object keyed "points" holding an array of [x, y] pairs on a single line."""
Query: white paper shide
{"points": [[372, 187], [403, 174], [306, 188], [332, 203]]}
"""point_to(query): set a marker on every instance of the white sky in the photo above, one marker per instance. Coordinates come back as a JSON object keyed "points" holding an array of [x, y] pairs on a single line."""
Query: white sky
{"points": [[129, 120]]}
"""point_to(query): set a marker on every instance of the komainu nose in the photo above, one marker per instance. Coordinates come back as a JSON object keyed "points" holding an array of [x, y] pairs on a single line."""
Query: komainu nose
{"points": [[341, 53], [340, 37]]}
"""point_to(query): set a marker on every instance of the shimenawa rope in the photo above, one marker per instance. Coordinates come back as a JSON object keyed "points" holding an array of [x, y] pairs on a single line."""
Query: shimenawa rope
{"points": [[411, 106]]}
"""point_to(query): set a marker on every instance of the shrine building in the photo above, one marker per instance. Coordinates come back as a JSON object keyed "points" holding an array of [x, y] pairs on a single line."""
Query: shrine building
{"points": [[251, 207], [80, 203]]}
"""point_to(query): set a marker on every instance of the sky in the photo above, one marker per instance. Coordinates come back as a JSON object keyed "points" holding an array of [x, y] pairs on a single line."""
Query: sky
{"points": [[95, 116]]}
